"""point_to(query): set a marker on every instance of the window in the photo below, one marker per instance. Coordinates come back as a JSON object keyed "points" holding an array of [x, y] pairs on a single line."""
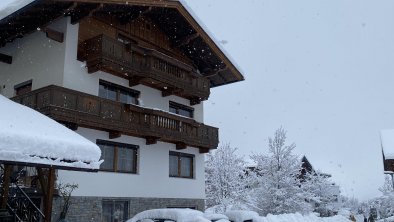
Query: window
{"points": [[118, 93], [23, 88], [118, 157], [181, 109], [181, 165], [115, 211]]}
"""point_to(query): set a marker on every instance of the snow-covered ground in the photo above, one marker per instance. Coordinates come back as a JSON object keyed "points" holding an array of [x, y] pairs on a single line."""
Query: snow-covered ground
{"points": [[183, 215], [390, 219], [301, 218]]}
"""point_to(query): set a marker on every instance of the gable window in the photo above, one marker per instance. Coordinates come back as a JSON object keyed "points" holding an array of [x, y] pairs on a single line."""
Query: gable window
{"points": [[118, 93], [181, 165], [181, 109], [23, 88], [118, 157], [115, 210]]}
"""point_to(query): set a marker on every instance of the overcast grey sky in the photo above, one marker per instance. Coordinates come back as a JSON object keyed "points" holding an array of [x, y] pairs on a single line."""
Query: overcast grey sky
{"points": [[324, 70]]}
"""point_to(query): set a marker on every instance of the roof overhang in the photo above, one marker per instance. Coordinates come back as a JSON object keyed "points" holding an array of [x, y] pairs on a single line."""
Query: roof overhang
{"points": [[174, 17], [387, 144]]}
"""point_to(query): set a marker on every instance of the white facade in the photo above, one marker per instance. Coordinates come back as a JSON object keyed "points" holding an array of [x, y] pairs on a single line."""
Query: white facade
{"points": [[34, 57], [151, 180], [47, 62]]}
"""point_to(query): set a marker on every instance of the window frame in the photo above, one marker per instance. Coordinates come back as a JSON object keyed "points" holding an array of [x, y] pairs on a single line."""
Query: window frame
{"points": [[178, 106], [116, 146], [113, 202], [118, 88], [22, 85], [179, 155]]}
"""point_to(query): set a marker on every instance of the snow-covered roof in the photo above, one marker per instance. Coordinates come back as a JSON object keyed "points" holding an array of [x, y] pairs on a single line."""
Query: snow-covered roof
{"points": [[28, 136], [210, 34], [387, 139], [7, 7]]}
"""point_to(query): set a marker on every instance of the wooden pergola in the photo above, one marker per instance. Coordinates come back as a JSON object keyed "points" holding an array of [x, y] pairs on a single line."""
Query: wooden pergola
{"points": [[46, 176], [29, 138]]}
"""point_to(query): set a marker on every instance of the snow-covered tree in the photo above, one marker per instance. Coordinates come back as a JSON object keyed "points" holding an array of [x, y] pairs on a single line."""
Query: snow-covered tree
{"points": [[387, 187], [321, 193], [226, 180], [381, 207], [278, 188], [385, 203]]}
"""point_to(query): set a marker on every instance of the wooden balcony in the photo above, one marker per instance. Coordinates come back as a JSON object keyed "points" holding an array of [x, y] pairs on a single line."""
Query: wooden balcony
{"points": [[144, 66], [75, 109]]}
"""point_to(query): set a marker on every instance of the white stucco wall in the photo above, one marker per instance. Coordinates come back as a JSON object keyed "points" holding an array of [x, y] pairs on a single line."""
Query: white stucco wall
{"points": [[76, 77], [152, 179], [35, 57], [47, 62]]}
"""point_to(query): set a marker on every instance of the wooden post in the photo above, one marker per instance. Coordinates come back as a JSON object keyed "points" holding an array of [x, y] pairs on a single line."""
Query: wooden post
{"points": [[6, 186], [49, 194]]}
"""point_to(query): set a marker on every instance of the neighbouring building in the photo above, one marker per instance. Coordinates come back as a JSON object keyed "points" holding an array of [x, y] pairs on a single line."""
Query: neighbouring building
{"points": [[130, 76], [387, 143]]}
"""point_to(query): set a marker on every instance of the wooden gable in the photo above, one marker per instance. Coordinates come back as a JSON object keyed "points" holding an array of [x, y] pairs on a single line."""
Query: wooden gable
{"points": [[188, 40]]}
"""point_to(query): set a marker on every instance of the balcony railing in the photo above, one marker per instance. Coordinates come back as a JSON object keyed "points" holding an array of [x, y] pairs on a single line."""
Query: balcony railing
{"points": [[81, 109], [138, 64]]}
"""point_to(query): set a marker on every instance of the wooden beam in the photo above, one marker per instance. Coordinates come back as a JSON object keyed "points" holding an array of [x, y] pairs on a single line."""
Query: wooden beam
{"points": [[54, 35], [195, 101], [170, 91], [49, 195], [96, 9], [5, 58], [186, 40], [114, 134], [82, 11], [41, 179], [71, 126], [204, 150], [214, 72], [94, 68], [181, 146], [135, 80], [5, 186], [151, 140]]}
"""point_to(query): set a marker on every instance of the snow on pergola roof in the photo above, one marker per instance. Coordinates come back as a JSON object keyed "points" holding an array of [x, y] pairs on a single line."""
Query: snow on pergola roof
{"points": [[387, 138], [31, 138], [8, 7]]}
